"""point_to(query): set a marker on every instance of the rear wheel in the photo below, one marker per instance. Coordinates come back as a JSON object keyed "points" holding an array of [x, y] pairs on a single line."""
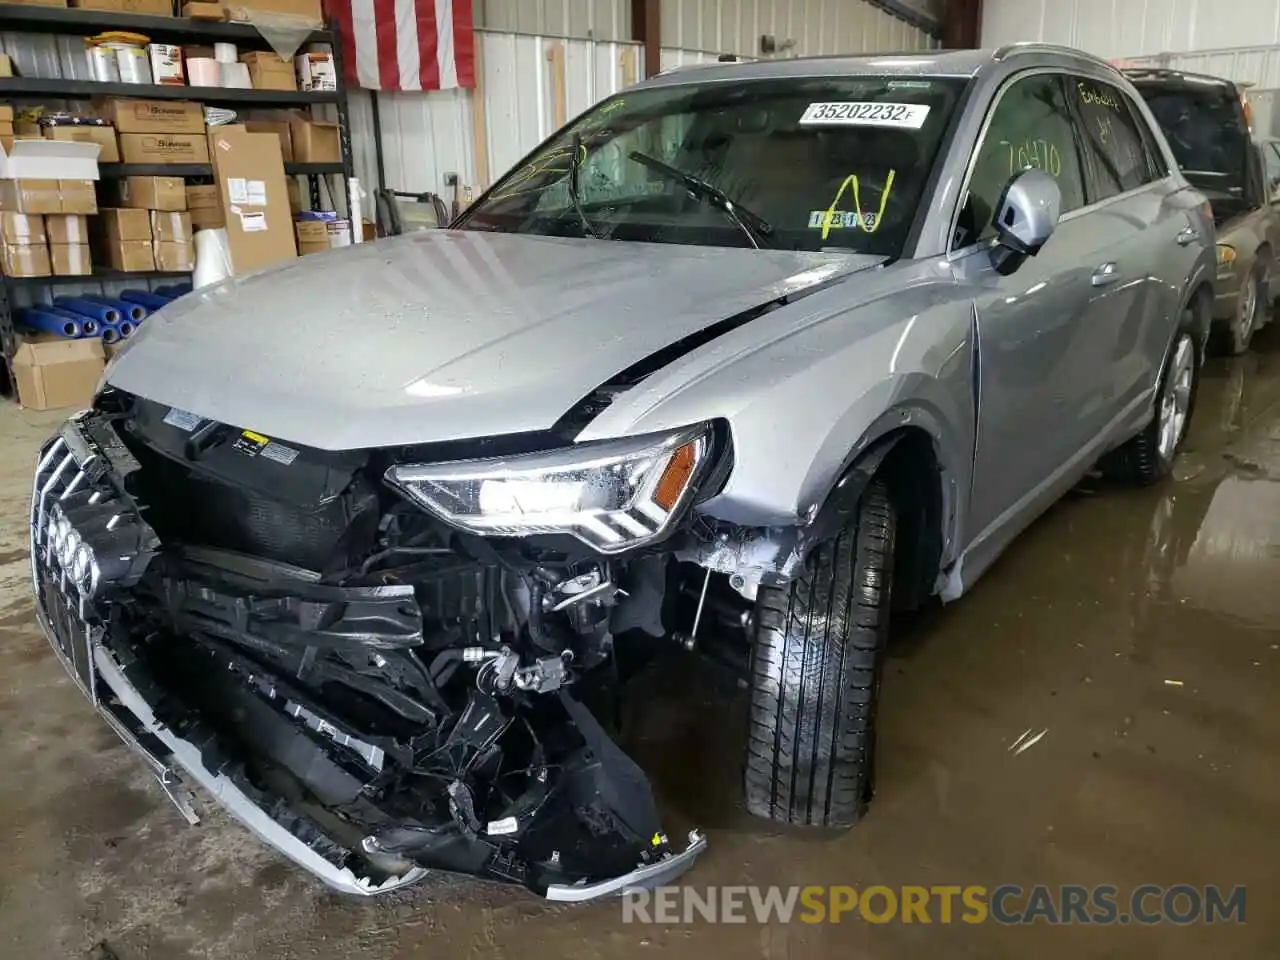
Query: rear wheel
{"points": [[815, 676], [1250, 310], [1149, 456]]}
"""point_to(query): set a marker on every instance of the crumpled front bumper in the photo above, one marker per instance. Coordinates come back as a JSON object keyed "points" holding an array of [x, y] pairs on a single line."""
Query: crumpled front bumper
{"points": [[70, 485]]}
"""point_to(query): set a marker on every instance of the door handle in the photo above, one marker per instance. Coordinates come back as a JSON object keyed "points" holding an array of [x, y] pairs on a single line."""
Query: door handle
{"points": [[1106, 273], [1188, 235]]}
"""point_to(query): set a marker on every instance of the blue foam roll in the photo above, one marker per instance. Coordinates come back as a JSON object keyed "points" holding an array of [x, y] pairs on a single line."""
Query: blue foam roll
{"points": [[125, 329], [88, 325], [173, 290], [60, 324], [149, 300], [110, 334], [130, 311], [90, 308]]}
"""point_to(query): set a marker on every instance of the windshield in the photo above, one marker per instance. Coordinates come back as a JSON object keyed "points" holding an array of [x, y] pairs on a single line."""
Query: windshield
{"points": [[1206, 129], [808, 164]]}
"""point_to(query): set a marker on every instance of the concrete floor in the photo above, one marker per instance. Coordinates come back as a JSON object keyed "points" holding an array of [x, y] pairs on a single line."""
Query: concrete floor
{"points": [[1077, 630]]}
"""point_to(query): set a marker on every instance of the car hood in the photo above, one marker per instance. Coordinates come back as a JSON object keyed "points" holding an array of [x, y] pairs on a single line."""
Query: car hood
{"points": [[443, 335]]}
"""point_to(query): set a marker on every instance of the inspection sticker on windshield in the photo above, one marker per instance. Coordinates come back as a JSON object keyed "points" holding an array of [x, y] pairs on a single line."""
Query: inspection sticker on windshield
{"points": [[861, 114]]}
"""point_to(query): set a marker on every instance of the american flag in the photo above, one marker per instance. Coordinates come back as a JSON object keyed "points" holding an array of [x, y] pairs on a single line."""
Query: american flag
{"points": [[405, 44]]}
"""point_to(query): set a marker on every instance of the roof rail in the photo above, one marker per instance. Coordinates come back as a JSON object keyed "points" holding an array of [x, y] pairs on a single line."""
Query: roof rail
{"points": [[1037, 46]]}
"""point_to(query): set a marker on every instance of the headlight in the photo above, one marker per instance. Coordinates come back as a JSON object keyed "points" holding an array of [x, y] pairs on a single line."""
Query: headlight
{"points": [[614, 495], [1226, 255]]}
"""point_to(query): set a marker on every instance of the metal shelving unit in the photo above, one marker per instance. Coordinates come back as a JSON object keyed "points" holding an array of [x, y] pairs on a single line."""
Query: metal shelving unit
{"points": [[116, 171], [38, 88], [74, 21], [100, 275]]}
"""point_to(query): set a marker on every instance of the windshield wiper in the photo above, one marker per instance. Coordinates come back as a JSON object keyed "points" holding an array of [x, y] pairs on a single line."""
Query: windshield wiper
{"points": [[575, 163], [752, 224]]}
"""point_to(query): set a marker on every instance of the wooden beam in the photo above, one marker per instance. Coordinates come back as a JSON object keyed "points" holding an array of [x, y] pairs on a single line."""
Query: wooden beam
{"points": [[646, 28], [962, 25]]}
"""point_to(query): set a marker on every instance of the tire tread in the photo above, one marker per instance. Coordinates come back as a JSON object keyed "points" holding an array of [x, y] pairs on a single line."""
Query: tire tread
{"points": [[816, 675]]}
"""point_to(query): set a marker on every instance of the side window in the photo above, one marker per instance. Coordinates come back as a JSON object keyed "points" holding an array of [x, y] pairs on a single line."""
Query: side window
{"points": [[1156, 164], [1117, 157], [1031, 126]]}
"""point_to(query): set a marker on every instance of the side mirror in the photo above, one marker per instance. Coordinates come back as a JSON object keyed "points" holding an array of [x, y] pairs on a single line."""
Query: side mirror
{"points": [[1025, 219]]}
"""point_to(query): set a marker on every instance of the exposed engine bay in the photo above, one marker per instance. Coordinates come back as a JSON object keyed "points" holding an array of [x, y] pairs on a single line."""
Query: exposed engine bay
{"points": [[400, 695]]}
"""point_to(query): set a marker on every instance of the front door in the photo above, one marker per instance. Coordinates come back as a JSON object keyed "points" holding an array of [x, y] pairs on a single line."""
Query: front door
{"points": [[1033, 326]]}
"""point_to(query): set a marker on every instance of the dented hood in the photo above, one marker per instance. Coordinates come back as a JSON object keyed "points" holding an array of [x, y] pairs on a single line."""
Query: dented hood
{"points": [[443, 335]]}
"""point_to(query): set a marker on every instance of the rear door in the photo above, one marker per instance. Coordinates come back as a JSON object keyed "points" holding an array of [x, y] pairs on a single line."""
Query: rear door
{"points": [[1135, 295]]}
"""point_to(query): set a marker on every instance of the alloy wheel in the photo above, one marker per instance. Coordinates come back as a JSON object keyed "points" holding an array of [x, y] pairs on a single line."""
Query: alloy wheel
{"points": [[1175, 404]]}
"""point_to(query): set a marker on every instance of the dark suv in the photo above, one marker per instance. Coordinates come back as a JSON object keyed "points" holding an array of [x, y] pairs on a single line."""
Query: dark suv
{"points": [[1205, 120]]}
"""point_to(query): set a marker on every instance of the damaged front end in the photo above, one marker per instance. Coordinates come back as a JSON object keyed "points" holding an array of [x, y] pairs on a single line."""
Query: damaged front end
{"points": [[374, 681]]}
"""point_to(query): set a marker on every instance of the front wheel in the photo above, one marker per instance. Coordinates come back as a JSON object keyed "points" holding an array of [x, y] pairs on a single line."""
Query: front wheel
{"points": [[815, 676], [1149, 456]]}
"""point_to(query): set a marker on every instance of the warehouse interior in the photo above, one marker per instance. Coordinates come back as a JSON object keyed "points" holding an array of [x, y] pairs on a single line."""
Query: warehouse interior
{"points": [[1095, 719]]}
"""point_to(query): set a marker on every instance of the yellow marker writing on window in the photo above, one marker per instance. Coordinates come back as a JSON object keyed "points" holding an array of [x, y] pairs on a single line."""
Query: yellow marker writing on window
{"points": [[851, 182]]}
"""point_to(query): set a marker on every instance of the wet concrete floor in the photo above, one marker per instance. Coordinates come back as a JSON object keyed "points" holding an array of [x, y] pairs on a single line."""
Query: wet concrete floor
{"points": [[1139, 629]]}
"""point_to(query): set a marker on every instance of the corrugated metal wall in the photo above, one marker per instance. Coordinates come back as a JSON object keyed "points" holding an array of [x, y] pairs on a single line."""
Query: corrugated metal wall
{"points": [[1132, 28], [816, 26], [718, 26], [583, 19]]}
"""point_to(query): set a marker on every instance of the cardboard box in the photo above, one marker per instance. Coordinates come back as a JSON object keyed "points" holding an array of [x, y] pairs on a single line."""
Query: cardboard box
{"points": [[43, 3], [67, 228], [151, 193], [174, 256], [53, 372], [130, 255], [30, 196], [152, 116], [24, 260], [269, 71], [77, 196], [42, 159], [164, 148], [6, 65], [171, 226], [6, 112], [70, 259], [125, 224], [280, 128], [104, 137], [202, 10], [252, 184], [22, 228], [312, 235], [294, 189], [316, 71], [205, 205], [152, 8], [315, 142], [307, 9]]}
